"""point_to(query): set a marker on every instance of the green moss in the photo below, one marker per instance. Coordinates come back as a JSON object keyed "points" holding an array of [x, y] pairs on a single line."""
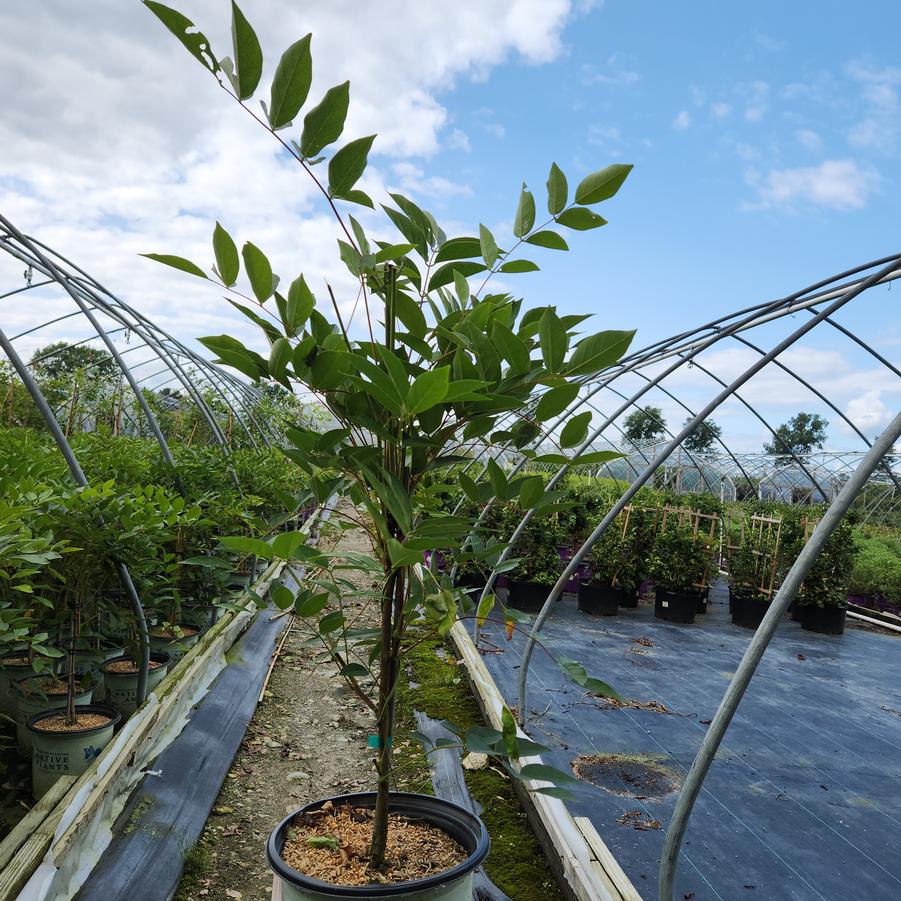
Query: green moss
{"points": [[197, 865], [516, 864], [140, 809]]}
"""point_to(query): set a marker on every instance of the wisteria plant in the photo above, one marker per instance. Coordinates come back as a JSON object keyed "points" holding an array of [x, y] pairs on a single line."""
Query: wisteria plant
{"points": [[433, 361]]}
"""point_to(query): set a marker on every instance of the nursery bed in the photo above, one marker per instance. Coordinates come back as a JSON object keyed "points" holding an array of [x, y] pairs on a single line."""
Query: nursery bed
{"points": [[804, 800]]}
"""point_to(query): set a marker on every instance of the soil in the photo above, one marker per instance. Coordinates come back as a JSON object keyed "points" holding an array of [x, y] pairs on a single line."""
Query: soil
{"points": [[51, 689], [307, 740], [186, 632], [635, 777], [57, 723], [128, 666], [344, 859]]}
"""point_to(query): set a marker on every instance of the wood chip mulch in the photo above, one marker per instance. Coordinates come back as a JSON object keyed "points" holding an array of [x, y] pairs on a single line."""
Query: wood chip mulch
{"points": [[333, 845], [82, 721], [128, 666]]}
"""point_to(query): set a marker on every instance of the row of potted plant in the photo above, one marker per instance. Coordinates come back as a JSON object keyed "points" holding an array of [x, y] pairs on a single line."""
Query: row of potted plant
{"points": [[69, 650], [758, 559]]}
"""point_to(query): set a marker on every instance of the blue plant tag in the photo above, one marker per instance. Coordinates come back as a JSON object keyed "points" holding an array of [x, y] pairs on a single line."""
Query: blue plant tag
{"points": [[373, 742]]}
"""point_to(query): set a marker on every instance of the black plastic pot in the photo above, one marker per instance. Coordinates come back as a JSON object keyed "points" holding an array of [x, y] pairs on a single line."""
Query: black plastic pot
{"points": [[527, 596], [676, 606], [827, 620], [629, 599], [747, 612], [795, 610], [601, 600], [463, 826]]}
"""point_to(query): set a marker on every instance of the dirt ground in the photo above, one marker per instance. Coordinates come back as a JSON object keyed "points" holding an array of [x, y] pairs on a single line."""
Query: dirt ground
{"points": [[307, 740]]}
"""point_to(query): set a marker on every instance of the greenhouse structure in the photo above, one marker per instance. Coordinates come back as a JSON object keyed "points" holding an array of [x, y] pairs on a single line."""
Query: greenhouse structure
{"points": [[407, 585], [234, 438]]}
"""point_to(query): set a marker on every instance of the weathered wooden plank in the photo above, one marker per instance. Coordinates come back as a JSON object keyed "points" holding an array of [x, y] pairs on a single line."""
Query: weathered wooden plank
{"points": [[612, 870]]}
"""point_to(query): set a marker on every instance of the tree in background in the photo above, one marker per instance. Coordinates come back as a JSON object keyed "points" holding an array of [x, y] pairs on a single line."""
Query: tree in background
{"points": [[644, 425], [702, 439], [797, 438]]}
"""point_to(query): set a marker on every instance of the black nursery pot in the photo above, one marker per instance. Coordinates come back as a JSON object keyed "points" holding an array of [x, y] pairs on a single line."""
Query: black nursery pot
{"points": [[795, 610], [465, 827], [826, 620], [676, 606], [601, 600], [526, 596], [747, 612], [473, 585]]}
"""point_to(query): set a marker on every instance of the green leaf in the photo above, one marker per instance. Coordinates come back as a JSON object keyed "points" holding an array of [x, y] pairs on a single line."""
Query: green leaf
{"points": [[243, 544], [543, 773], [258, 271], [183, 28], [488, 246], [461, 286], [402, 556], [429, 389], [324, 841], [459, 249], [300, 304], [248, 55], [510, 346], [589, 459], [548, 239], [552, 339], [444, 275], [519, 266], [279, 357], [525, 213], [581, 219], [167, 259], [354, 671], [331, 622], [323, 124], [557, 190], [576, 430], [486, 605], [310, 604], [347, 165], [508, 733], [499, 484], [282, 597], [291, 83], [555, 401], [603, 184], [531, 491], [226, 255], [407, 310], [597, 352]]}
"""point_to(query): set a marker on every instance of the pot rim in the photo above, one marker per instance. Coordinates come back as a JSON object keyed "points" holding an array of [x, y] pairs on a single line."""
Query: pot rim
{"points": [[33, 722], [18, 684], [155, 656], [367, 799]]}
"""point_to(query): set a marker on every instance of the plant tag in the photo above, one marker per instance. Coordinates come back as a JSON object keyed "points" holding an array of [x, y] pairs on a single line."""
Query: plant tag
{"points": [[664, 603], [373, 741]]}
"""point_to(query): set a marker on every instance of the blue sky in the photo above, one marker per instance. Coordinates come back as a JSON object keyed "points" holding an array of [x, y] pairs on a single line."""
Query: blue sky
{"points": [[765, 139], [709, 101]]}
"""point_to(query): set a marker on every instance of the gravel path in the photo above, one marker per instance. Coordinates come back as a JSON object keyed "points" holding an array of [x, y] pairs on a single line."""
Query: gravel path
{"points": [[307, 740]]}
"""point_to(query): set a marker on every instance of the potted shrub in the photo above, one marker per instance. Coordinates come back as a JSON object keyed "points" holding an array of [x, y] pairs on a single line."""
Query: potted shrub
{"points": [[748, 600], [678, 565], [429, 369], [614, 569], [539, 567], [66, 736], [823, 595]]}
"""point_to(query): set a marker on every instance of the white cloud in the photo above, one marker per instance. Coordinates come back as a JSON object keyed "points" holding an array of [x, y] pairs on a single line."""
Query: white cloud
{"points": [[720, 110], [808, 139], [682, 120], [413, 180], [756, 95], [115, 142], [834, 184], [879, 129], [615, 72], [458, 140]]}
